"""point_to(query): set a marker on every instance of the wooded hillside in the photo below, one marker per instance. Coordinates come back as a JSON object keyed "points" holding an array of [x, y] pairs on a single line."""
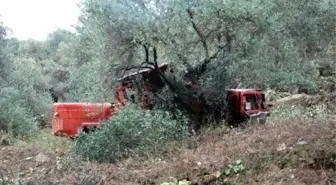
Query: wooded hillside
{"points": [[283, 47]]}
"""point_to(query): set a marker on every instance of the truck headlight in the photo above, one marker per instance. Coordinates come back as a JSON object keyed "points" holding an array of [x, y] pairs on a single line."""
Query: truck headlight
{"points": [[247, 105]]}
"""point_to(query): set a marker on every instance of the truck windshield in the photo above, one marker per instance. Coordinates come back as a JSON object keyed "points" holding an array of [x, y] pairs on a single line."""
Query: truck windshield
{"points": [[253, 99]]}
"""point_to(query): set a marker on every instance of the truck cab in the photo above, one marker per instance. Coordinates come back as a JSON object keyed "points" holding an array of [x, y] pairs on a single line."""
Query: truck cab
{"points": [[137, 87], [244, 104]]}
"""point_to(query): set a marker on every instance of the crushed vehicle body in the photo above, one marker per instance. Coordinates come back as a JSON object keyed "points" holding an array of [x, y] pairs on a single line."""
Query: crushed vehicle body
{"points": [[69, 117], [138, 87]]}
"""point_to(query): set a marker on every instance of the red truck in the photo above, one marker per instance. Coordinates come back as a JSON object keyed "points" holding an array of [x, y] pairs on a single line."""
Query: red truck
{"points": [[67, 118]]}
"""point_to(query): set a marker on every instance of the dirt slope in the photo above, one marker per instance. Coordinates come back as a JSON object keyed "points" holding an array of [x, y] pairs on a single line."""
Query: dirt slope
{"points": [[287, 152]]}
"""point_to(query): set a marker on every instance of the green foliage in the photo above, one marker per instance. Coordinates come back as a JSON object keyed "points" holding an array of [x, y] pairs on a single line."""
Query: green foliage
{"points": [[234, 168], [22, 98], [288, 112], [294, 112], [17, 96], [28, 78], [56, 38], [86, 84], [51, 143], [27, 70], [271, 45], [32, 49], [128, 133], [4, 54], [268, 47], [14, 115]]}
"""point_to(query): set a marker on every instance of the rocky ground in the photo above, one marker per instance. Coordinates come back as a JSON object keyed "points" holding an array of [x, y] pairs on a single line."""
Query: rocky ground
{"points": [[294, 151]]}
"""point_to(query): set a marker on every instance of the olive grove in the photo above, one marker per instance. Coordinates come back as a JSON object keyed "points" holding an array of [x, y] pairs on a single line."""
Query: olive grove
{"points": [[279, 45]]}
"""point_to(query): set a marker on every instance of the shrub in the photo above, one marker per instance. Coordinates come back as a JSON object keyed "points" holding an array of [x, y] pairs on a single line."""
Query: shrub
{"points": [[23, 96], [287, 112], [128, 133], [14, 116], [293, 112]]}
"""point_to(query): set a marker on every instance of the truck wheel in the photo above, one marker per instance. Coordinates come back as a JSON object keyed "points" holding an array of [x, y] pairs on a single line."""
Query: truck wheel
{"points": [[263, 121]]}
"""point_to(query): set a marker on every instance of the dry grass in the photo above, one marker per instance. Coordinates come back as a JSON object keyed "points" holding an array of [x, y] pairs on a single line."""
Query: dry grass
{"points": [[212, 151]]}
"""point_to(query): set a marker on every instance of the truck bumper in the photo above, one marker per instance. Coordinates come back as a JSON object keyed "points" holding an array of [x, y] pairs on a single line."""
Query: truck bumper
{"points": [[260, 116]]}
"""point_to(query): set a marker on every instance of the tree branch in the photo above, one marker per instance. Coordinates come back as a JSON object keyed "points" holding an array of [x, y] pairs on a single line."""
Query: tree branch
{"points": [[180, 56], [199, 33], [155, 57], [147, 52], [146, 48], [200, 69], [205, 62], [127, 49], [228, 38]]}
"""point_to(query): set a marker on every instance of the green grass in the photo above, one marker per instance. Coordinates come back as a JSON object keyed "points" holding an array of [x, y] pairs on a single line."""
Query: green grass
{"points": [[52, 143]]}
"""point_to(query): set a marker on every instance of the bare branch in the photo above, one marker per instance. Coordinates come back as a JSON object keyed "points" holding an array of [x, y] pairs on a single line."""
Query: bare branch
{"points": [[147, 52], [182, 57], [130, 57], [228, 38], [146, 48], [125, 51], [199, 33], [206, 61], [155, 55], [200, 69]]}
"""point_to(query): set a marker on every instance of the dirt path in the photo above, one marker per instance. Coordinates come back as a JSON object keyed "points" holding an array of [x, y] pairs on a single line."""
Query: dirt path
{"points": [[281, 153]]}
